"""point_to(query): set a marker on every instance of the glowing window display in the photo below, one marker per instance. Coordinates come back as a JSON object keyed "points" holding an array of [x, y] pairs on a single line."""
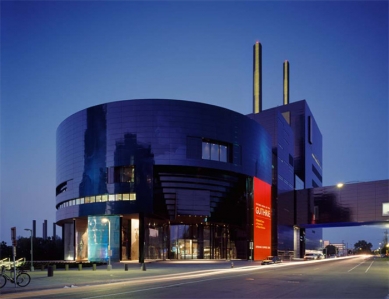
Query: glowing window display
{"points": [[98, 238]]}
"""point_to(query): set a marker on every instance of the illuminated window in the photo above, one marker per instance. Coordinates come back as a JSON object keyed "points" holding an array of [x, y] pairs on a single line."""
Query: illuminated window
{"points": [[206, 151], [215, 151], [121, 174], [223, 153], [99, 198], [130, 196]]}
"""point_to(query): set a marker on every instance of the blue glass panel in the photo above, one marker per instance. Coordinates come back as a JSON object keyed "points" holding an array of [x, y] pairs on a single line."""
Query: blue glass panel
{"points": [[101, 234]]}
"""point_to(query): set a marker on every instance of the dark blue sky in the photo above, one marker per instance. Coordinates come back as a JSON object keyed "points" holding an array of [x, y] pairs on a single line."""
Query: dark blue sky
{"points": [[60, 57]]}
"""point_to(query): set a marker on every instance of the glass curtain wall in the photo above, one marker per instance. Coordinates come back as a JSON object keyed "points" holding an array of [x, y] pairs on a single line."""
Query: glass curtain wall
{"points": [[103, 234], [197, 241], [68, 237]]}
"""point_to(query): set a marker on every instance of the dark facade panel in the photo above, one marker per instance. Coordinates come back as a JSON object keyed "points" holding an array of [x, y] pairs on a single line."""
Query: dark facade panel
{"points": [[307, 151], [352, 203], [148, 133]]}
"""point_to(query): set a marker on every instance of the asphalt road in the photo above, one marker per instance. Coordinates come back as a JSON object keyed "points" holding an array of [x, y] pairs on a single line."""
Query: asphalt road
{"points": [[338, 278]]}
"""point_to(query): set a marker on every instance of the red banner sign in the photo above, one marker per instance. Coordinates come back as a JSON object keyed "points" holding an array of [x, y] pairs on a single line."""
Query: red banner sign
{"points": [[262, 219]]}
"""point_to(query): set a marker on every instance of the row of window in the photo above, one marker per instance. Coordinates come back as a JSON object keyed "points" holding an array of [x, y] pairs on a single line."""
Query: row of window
{"points": [[99, 198], [214, 151]]}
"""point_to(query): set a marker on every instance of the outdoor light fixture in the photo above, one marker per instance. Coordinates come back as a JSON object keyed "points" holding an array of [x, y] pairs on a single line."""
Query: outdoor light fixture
{"points": [[105, 220], [31, 251]]}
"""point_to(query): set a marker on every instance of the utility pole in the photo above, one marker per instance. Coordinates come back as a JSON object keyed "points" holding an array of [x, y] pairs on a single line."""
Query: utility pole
{"points": [[13, 237]]}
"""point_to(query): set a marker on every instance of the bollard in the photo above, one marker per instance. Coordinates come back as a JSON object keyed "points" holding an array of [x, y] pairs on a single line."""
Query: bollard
{"points": [[66, 267], [42, 267], [50, 271], [54, 267], [79, 267], [232, 265], [143, 267], [125, 267], [94, 267]]}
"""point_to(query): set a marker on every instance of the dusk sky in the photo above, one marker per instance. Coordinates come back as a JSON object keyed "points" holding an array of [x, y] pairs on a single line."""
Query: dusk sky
{"points": [[63, 56]]}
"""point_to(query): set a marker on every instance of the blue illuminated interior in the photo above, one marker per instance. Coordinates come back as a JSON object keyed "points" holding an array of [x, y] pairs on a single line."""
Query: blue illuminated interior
{"points": [[98, 237]]}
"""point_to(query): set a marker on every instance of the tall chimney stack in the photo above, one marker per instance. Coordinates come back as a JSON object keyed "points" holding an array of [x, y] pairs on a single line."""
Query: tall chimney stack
{"points": [[45, 230], [286, 82], [34, 229], [257, 77]]}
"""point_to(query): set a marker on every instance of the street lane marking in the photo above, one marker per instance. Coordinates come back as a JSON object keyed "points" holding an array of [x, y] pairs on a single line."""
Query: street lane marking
{"points": [[369, 266], [161, 287], [355, 266]]}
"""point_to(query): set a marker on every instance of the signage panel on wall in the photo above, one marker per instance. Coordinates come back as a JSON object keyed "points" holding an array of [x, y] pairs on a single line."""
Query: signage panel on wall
{"points": [[262, 219]]}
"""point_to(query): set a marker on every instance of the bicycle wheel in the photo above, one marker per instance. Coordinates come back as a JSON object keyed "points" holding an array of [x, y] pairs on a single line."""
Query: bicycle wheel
{"points": [[23, 279], [3, 280]]}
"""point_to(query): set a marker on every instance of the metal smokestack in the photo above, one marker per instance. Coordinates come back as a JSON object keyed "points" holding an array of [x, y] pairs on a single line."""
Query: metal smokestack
{"points": [[286, 82], [257, 77]]}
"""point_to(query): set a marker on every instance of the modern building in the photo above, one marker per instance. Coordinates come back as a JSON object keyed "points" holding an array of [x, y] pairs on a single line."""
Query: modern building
{"points": [[162, 179], [171, 179]]}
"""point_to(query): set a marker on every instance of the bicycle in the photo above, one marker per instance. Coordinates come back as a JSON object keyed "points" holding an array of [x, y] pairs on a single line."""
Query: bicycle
{"points": [[22, 278]]}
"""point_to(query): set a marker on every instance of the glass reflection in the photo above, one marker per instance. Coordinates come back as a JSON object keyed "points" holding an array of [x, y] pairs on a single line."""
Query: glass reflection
{"points": [[99, 238]]}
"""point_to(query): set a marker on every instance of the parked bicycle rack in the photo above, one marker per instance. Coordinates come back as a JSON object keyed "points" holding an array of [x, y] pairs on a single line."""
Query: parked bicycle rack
{"points": [[8, 264]]}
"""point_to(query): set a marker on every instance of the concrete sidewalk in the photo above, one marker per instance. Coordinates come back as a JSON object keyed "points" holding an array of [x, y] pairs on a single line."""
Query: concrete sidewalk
{"points": [[87, 276]]}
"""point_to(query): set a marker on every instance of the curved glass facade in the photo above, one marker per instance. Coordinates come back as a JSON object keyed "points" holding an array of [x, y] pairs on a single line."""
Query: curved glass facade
{"points": [[158, 167]]}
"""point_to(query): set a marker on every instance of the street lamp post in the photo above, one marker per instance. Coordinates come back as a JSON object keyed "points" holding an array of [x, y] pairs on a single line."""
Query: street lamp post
{"points": [[105, 220], [31, 251]]}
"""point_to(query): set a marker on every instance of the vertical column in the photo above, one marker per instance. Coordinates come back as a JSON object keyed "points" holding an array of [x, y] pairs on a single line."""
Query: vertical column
{"points": [[54, 231], [296, 241], [45, 230], [257, 77], [200, 241], [286, 82], [141, 238], [302, 242]]}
